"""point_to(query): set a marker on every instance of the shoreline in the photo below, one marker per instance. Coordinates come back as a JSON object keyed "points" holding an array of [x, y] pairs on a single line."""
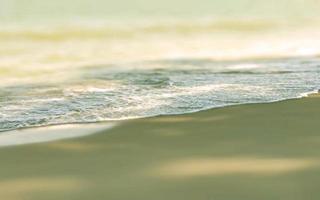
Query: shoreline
{"points": [[117, 121]]}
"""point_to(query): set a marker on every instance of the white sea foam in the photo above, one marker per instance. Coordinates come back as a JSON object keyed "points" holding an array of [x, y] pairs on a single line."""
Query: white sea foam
{"points": [[244, 66], [306, 94]]}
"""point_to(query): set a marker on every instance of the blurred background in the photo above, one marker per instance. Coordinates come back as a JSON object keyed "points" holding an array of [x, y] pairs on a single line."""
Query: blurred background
{"points": [[42, 10], [170, 29], [107, 30]]}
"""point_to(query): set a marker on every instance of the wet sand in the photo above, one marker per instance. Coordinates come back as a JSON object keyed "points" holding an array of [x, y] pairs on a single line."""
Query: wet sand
{"points": [[257, 151]]}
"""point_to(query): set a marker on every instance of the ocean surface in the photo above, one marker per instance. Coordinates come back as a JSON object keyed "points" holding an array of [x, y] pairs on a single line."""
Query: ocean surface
{"points": [[77, 65]]}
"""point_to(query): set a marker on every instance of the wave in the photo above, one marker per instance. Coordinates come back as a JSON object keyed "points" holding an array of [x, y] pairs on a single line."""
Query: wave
{"points": [[143, 89]]}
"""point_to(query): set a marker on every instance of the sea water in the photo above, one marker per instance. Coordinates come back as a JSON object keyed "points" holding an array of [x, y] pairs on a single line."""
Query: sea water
{"points": [[93, 61]]}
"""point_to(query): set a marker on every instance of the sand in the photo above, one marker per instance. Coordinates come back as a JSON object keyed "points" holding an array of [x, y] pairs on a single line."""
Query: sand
{"points": [[249, 152]]}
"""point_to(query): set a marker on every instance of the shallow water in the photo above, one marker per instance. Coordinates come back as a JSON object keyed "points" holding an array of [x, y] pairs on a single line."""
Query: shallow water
{"points": [[116, 92]]}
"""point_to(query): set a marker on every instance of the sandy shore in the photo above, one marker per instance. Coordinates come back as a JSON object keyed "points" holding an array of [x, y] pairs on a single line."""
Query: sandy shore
{"points": [[258, 151]]}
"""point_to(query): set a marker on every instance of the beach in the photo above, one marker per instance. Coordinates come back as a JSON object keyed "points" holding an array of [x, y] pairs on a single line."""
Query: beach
{"points": [[252, 151], [159, 100]]}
